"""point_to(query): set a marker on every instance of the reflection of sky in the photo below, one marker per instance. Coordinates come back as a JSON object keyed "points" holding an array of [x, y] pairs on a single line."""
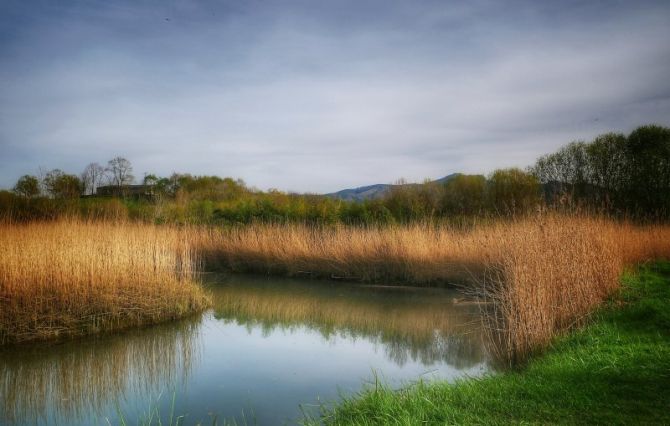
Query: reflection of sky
{"points": [[275, 372], [265, 373]]}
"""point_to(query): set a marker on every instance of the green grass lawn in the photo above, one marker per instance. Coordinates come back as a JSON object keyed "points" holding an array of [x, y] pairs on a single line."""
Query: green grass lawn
{"points": [[615, 371]]}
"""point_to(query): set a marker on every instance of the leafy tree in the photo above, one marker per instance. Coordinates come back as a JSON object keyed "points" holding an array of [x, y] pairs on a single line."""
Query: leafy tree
{"points": [[404, 201], [62, 185], [150, 179], [465, 194], [606, 157], [622, 174], [429, 197], [513, 191], [27, 186], [568, 169], [208, 187], [648, 183], [49, 181]]}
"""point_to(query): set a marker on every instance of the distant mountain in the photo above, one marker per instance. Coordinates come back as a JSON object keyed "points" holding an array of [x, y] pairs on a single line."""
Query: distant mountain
{"points": [[369, 192], [372, 192]]}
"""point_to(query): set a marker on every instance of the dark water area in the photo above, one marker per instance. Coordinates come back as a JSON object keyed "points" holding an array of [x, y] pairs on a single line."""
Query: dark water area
{"points": [[268, 350]]}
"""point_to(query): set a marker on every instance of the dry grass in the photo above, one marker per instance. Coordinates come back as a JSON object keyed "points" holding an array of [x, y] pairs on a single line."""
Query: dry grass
{"points": [[415, 254], [544, 275], [70, 278], [551, 273]]}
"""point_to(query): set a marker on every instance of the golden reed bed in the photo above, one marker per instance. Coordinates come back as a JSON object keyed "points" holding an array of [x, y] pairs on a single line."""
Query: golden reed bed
{"points": [[69, 278], [543, 275]]}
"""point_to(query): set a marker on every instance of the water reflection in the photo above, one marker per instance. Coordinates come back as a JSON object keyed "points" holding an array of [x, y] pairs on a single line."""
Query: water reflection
{"points": [[82, 379], [418, 324], [268, 346]]}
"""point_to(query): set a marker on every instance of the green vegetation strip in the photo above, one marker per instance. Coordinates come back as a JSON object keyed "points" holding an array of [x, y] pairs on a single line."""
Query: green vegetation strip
{"points": [[615, 371]]}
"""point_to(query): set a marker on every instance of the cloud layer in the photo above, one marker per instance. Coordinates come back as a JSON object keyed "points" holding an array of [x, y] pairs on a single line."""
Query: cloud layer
{"points": [[316, 96]]}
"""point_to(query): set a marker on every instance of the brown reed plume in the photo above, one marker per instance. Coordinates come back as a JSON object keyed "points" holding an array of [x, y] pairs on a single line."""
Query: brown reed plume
{"points": [[552, 272], [541, 275], [420, 254], [70, 278]]}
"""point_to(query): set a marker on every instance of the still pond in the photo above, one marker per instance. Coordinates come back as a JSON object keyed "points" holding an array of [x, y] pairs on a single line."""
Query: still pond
{"points": [[269, 350]]}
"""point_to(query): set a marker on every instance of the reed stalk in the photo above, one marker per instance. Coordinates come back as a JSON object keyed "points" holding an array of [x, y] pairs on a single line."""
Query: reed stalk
{"points": [[71, 277]]}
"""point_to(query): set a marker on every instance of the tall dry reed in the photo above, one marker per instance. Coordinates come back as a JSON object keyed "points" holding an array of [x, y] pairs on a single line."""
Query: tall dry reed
{"points": [[70, 277], [414, 254], [552, 272], [543, 275]]}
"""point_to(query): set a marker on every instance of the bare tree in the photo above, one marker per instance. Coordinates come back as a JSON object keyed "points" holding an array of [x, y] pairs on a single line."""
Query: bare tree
{"points": [[41, 176], [92, 177], [120, 171]]}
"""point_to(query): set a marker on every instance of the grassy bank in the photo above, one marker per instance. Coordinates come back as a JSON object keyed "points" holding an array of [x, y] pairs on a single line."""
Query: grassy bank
{"points": [[71, 278], [614, 371]]}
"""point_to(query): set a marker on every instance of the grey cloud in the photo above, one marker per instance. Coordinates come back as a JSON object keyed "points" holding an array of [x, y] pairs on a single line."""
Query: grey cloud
{"points": [[314, 97]]}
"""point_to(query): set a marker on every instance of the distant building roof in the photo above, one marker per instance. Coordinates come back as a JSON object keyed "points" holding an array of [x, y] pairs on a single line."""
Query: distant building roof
{"points": [[125, 190]]}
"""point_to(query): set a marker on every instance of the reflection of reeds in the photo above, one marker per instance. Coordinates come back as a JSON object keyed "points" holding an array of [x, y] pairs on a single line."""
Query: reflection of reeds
{"points": [[418, 325], [71, 277], [81, 378], [544, 274]]}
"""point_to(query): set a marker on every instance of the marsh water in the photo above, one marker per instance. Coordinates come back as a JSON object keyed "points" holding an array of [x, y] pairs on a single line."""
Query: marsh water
{"points": [[269, 350]]}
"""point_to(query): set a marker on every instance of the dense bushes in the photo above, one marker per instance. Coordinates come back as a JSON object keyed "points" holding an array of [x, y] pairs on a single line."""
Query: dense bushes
{"points": [[505, 193]]}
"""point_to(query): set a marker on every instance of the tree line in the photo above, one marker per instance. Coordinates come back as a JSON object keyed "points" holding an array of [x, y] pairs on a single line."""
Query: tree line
{"points": [[622, 175], [615, 174], [58, 184]]}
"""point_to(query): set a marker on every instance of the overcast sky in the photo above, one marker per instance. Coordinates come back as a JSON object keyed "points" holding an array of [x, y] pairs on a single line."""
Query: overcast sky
{"points": [[318, 96]]}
